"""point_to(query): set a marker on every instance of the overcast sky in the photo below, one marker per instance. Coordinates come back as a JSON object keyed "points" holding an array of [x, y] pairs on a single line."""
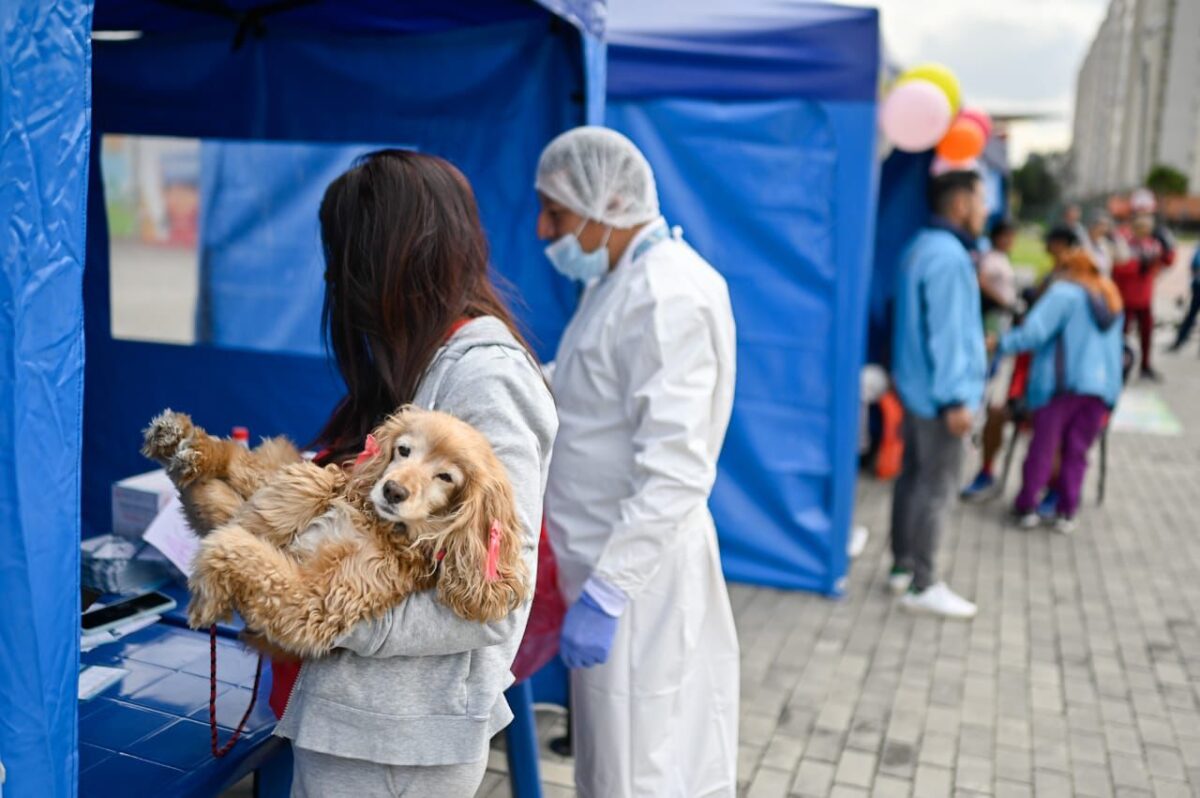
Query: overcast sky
{"points": [[1010, 55]]}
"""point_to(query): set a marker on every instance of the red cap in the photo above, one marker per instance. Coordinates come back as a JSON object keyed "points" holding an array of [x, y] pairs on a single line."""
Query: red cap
{"points": [[241, 434]]}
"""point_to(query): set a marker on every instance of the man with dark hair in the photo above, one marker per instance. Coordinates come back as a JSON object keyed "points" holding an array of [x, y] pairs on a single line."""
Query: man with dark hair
{"points": [[939, 366], [1059, 240]]}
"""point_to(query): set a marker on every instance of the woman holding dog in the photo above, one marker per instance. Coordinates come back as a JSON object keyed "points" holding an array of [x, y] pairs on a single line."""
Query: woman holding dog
{"points": [[407, 703]]}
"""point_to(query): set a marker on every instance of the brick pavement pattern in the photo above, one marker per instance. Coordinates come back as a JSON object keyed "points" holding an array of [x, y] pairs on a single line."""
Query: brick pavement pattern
{"points": [[1080, 676]]}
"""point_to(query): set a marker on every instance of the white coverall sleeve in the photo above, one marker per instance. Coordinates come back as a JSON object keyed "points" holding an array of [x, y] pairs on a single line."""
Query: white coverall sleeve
{"points": [[511, 406], [670, 384]]}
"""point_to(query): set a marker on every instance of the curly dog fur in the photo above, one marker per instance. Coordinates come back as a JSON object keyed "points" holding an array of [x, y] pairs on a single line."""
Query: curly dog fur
{"points": [[305, 552]]}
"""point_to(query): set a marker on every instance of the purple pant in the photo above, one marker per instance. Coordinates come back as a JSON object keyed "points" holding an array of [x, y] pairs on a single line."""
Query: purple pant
{"points": [[1067, 426]]}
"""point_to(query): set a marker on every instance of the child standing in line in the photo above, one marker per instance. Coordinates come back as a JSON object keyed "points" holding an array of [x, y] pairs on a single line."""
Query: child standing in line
{"points": [[1075, 378]]}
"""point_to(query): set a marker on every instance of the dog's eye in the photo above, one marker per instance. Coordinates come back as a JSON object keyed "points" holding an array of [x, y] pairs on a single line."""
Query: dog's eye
{"points": [[403, 451], [446, 478]]}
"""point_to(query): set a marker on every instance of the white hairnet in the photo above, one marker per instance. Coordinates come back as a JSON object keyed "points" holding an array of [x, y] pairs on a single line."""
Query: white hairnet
{"points": [[601, 175]]}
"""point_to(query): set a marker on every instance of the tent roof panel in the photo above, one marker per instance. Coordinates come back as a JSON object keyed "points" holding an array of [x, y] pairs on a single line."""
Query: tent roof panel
{"points": [[742, 48], [345, 16]]}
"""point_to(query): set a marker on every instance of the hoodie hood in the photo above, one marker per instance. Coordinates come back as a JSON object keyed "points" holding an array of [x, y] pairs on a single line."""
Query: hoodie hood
{"points": [[483, 331], [1102, 314]]}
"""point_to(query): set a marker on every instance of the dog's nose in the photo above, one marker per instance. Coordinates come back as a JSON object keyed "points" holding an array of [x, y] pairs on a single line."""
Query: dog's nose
{"points": [[394, 492]]}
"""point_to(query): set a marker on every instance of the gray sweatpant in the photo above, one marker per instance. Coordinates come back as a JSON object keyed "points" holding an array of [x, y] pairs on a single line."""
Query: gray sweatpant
{"points": [[316, 775], [928, 483]]}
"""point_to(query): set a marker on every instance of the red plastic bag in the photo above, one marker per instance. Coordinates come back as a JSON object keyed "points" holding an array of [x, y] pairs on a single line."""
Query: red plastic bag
{"points": [[540, 643]]}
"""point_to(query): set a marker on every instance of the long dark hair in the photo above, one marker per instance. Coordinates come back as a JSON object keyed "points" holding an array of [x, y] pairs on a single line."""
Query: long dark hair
{"points": [[405, 259]]}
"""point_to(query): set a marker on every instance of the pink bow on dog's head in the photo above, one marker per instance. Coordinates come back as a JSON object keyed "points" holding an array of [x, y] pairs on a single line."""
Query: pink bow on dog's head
{"points": [[370, 449]]}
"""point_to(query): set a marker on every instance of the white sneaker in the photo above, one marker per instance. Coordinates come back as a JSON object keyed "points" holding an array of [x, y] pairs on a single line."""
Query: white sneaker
{"points": [[939, 600], [1064, 525], [1028, 521], [858, 541], [899, 582]]}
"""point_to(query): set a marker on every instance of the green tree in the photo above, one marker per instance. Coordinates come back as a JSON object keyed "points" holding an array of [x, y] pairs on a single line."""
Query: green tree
{"points": [[1166, 181], [1037, 187]]}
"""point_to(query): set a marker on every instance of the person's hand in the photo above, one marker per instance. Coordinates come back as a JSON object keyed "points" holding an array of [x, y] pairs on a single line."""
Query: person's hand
{"points": [[587, 634], [992, 343], [959, 421]]}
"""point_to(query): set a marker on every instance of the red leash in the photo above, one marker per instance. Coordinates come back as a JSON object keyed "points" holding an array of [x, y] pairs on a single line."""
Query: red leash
{"points": [[212, 697]]}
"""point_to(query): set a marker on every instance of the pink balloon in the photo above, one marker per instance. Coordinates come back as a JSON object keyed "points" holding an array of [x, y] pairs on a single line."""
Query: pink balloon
{"points": [[915, 115], [979, 117]]}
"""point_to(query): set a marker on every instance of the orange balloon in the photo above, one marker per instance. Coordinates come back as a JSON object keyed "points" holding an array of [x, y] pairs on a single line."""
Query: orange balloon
{"points": [[963, 141]]}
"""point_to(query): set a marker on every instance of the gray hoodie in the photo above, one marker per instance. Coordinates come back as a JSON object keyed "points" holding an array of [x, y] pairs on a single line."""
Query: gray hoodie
{"points": [[421, 686]]}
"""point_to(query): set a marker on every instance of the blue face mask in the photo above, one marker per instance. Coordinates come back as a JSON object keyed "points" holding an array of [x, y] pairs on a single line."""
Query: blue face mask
{"points": [[569, 259]]}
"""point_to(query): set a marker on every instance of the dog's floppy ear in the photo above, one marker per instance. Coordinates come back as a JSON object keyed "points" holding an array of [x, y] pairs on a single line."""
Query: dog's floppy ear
{"points": [[373, 461], [477, 586]]}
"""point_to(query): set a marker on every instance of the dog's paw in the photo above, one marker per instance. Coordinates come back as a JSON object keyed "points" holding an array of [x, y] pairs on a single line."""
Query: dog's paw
{"points": [[166, 432], [204, 612], [335, 477], [186, 465]]}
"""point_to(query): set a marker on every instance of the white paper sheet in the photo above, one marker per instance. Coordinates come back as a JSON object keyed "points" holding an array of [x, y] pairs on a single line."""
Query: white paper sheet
{"points": [[96, 678], [170, 534]]}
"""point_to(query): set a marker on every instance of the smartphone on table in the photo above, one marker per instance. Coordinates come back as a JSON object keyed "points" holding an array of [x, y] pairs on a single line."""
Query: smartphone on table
{"points": [[103, 618]]}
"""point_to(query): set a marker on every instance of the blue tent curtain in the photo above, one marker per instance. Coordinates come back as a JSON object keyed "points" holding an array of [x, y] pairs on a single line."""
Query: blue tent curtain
{"points": [[902, 210], [44, 113], [759, 120], [527, 80], [777, 195], [485, 85]]}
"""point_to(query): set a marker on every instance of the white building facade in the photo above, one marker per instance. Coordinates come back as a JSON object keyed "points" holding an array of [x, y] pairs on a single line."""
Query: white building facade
{"points": [[1137, 100]]}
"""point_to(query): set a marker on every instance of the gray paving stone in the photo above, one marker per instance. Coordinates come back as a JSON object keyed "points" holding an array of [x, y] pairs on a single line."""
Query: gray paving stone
{"points": [[933, 781], [1092, 780], [1129, 771], [846, 791], [1171, 789], [939, 749], [814, 778], [769, 783], [1013, 789], [1049, 782], [783, 752], [973, 773], [856, 768], [1165, 763], [1014, 764], [891, 787]]}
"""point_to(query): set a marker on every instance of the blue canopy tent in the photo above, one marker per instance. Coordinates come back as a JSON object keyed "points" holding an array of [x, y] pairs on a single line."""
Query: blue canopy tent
{"points": [[758, 117], [484, 83]]}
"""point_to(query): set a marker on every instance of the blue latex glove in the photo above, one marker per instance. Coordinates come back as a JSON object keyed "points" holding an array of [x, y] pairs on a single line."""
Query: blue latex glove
{"points": [[587, 633]]}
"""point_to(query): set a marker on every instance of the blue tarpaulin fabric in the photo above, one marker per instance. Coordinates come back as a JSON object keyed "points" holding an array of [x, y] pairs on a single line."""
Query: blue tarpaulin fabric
{"points": [[759, 121], [903, 210], [487, 97], [485, 87], [344, 16], [44, 112], [758, 48]]}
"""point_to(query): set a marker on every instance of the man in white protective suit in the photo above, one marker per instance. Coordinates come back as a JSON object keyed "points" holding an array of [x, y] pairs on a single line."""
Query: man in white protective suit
{"points": [[644, 383]]}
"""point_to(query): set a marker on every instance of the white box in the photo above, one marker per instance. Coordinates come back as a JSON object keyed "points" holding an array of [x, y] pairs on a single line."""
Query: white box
{"points": [[137, 500]]}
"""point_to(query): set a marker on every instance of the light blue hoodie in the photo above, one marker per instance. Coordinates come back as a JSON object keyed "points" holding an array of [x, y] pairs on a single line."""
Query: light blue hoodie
{"points": [[1077, 345], [938, 360]]}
